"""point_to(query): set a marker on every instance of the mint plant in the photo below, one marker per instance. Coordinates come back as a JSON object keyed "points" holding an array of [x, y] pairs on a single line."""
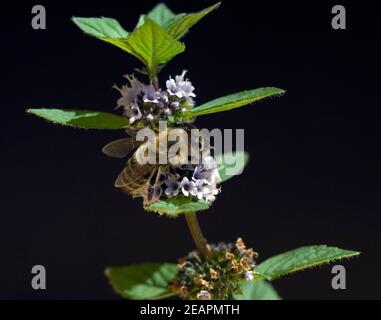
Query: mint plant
{"points": [[212, 271]]}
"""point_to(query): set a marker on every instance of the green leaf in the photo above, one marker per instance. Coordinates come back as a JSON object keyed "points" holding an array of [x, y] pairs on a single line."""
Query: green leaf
{"points": [[299, 259], [257, 290], [177, 205], [173, 20], [82, 118], [231, 164], [143, 281], [233, 101], [161, 14], [101, 27], [180, 24], [150, 44]]}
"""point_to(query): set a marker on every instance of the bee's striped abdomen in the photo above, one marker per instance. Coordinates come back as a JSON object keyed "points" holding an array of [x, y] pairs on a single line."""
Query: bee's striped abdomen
{"points": [[135, 178]]}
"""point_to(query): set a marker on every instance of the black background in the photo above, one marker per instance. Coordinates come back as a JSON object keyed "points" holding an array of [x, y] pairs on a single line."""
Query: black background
{"points": [[314, 171]]}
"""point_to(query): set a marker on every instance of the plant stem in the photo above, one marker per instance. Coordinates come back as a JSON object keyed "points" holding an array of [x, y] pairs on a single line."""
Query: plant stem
{"points": [[198, 238], [155, 82]]}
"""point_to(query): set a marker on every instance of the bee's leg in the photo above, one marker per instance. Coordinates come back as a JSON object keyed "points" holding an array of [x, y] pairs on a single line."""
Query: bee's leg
{"points": [[162, 174], [156, 190], [147, 198], [149, 194]]}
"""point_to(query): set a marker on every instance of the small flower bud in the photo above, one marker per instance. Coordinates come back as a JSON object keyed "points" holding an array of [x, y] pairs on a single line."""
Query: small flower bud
{"points": [[206, 284], [240, 245], [198, 280], [183, 291], [175, 104], [229, 256], [213, 274]]}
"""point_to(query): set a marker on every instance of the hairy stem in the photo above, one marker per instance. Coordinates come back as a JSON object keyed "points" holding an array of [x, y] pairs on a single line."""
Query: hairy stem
{"points": [[198, 238]]}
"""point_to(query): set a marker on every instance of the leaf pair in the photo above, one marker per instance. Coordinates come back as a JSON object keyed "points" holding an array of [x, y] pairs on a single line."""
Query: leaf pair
{"points": [[155, 38], [103, 120], [152, 280], [151, 45]]}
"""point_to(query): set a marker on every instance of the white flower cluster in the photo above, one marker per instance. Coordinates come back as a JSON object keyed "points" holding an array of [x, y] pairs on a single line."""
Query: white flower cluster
{"points": [[146, 103], [195, 180]]}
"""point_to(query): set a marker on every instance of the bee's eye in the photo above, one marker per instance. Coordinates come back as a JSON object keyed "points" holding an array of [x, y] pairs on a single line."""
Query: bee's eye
{"points": [[161, 177]]}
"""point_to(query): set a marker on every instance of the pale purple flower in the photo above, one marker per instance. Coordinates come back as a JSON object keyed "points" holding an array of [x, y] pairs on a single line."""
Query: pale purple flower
{"points": [[129, 93], [150, 94], [172, 87], [187, 187], [204, 295], [210, 191], [200, 173], [201, 189], [205, 190], [207, 171], [179, 87], [249, 276], [134, 113], [185, 85], [188, 89], [209, 163], [173, 187], [180, 78]]}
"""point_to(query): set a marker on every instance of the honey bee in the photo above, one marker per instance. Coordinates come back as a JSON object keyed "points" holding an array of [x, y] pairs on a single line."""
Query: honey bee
{"points": [[146, 179]]}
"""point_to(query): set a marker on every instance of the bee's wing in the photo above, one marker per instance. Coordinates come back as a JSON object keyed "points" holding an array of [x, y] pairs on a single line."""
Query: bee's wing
{"points": [[119, 148], [134, 173], [132, 132]]}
